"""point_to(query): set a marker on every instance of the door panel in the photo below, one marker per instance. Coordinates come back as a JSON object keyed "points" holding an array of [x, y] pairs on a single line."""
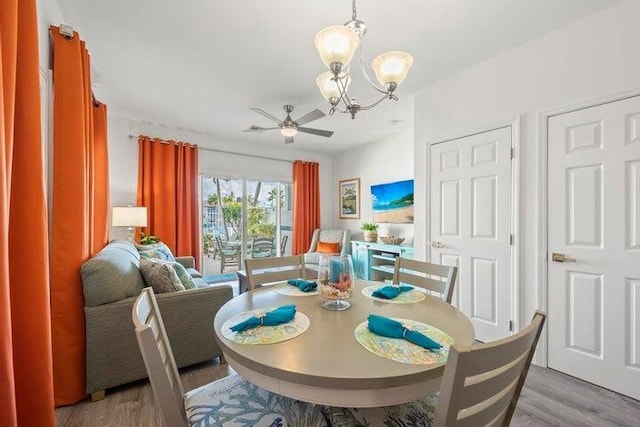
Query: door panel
{"points": [[593, 182], [471, 225]]}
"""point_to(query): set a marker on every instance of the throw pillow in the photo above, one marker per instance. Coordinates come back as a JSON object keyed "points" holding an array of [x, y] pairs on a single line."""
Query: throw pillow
{"points": [[328, 247], [140, 247], [160, 276], [161, 252], [181, 271]]}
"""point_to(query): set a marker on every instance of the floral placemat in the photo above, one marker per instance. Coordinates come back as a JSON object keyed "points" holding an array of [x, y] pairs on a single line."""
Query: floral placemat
{"points": [[402, 350], [264, 334], [408, 297], [285, 289]]}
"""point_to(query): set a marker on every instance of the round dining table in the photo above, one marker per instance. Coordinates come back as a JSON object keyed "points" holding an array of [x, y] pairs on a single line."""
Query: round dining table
{"points": [[326, 364]]}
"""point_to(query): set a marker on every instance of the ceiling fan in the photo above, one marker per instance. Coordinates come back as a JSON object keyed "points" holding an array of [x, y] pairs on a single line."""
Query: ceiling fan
{"points": [[289, 127]]}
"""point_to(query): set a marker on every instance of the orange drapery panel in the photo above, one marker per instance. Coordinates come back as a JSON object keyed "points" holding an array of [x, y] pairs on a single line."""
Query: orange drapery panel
{"points": [[168, 188], [100, 179], [26, 367], [306, 204], [80, 207]]}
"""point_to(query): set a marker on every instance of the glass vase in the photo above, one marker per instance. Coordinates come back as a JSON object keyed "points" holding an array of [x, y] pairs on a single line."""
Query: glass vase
{"points": [[339, 284]]}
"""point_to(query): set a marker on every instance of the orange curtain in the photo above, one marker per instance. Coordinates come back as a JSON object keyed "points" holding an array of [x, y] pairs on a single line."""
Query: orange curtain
{"points": [[306, 204], [168, 188], [26, 367], [79, 201]]}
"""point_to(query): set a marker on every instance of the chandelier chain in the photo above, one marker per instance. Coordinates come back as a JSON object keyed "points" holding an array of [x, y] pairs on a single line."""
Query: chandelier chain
{"points": [[353, 13]]}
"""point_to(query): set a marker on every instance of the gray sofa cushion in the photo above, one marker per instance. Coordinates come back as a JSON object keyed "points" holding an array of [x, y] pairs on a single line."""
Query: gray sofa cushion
{"points": [[112, 274]]}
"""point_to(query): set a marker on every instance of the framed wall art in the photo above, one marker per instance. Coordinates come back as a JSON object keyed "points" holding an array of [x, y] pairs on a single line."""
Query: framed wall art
{"points": [[392, 202], [349, 193]]}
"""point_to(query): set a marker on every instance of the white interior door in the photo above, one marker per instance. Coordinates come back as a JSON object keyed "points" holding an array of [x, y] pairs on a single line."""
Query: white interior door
{"points": [[594, 221], [471, 226]]}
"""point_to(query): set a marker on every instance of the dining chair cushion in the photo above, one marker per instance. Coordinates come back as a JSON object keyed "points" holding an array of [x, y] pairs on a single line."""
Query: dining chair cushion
{"points": [[328, 247], [234, 401], [413, 414]]}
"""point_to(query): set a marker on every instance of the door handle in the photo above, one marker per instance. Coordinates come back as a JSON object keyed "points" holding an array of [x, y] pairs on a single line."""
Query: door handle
{"points": [[436, 244], [562, 258]]}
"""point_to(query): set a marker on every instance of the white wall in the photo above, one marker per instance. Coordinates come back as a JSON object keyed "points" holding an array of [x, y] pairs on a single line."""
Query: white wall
{"points": [[379, 162], [123, 162], [590, 59], [48, 14]]}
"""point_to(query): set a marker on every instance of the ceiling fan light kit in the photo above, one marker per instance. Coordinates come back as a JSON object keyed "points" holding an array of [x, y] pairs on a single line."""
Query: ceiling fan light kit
{"points": [[337, 45], [289, 127]]}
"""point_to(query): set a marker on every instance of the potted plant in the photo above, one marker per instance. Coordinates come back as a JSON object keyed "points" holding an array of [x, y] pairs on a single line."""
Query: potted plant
{"points": [[370, 231]]}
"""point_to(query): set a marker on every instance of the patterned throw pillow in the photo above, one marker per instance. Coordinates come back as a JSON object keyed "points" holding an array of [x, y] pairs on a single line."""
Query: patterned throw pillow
{"points": [[161, 251], [183, 274], [328, 247], [185, 278], [160, 276], [140, 247]]}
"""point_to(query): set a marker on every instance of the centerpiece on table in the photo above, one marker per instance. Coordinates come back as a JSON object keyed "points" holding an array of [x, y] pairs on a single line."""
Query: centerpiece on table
{"points": [[338, 286]]}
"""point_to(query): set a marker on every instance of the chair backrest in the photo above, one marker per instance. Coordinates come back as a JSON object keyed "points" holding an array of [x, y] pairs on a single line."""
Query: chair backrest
{"points": [[433, 277], [261, 247], [268, 270], [283, 244], [488, 375], [343, 237], [158, 359], [219, 243]]}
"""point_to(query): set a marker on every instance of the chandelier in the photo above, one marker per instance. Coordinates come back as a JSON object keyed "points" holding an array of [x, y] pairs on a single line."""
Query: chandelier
{"points": [[337, 45]]}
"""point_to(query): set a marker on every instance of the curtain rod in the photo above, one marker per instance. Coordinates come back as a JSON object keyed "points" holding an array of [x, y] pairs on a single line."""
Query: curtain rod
{"points": [[215, 150]]}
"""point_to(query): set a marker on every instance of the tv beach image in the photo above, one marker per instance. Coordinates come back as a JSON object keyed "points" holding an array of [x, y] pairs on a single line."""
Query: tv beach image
{"points": [[393, 202]]}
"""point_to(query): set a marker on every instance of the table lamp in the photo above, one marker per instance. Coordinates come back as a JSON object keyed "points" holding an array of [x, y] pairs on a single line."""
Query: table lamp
{"points": [[130, 217]]}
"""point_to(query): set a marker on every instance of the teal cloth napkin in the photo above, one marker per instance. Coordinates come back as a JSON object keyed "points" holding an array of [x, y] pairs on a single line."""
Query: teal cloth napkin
{"points": [[393, 329], [390, 292], [303, 285], [275, 317]]}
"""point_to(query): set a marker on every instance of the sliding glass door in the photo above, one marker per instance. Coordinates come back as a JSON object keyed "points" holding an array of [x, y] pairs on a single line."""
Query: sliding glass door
{"points": [[243, 218]]}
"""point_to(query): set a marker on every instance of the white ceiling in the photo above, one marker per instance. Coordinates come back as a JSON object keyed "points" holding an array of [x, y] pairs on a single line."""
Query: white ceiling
{"points": [[201, 64]]}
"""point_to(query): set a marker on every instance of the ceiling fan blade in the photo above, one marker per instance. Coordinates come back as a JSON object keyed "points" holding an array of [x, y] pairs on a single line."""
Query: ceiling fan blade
{"points": [[309, 117], [267, 115], [288, 139], [257, 129], [318, 132]]}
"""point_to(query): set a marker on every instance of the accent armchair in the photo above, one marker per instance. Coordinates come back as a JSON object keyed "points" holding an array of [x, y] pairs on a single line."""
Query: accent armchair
{"points": [[342, 237]]}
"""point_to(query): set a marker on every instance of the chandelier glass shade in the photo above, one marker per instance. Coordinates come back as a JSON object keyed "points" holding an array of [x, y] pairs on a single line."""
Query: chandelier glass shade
{"points": [[336, 45]]}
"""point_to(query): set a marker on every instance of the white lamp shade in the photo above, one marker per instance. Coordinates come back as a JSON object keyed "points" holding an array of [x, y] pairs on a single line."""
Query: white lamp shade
{"points": [[392, 67], [329, 87], [336, 43], [129, 216]]}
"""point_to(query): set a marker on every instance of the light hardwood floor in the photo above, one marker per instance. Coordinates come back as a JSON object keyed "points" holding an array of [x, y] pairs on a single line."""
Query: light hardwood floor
{"points": [[549, 398]]}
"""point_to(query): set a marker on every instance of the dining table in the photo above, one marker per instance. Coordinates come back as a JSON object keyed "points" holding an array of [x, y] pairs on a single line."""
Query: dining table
{"points": [[332, 362]]}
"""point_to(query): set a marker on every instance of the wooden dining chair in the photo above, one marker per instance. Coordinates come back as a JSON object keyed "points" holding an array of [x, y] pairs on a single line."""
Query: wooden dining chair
{"points": [[432, 277], [268, 270], [488, 378], [262, 247], [480, 386], [228, 401]]}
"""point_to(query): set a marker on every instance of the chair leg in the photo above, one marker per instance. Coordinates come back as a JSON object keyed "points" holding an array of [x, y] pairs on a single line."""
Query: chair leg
{"points": [[221, 264], [97, 395]]}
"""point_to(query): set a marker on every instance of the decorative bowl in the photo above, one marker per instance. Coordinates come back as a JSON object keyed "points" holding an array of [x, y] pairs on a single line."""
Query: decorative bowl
{"points": [[392, 240]]}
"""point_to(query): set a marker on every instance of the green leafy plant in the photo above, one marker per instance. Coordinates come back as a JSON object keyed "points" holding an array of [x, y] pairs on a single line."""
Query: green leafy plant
{"points": [[369, 226], [146, 239]]}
